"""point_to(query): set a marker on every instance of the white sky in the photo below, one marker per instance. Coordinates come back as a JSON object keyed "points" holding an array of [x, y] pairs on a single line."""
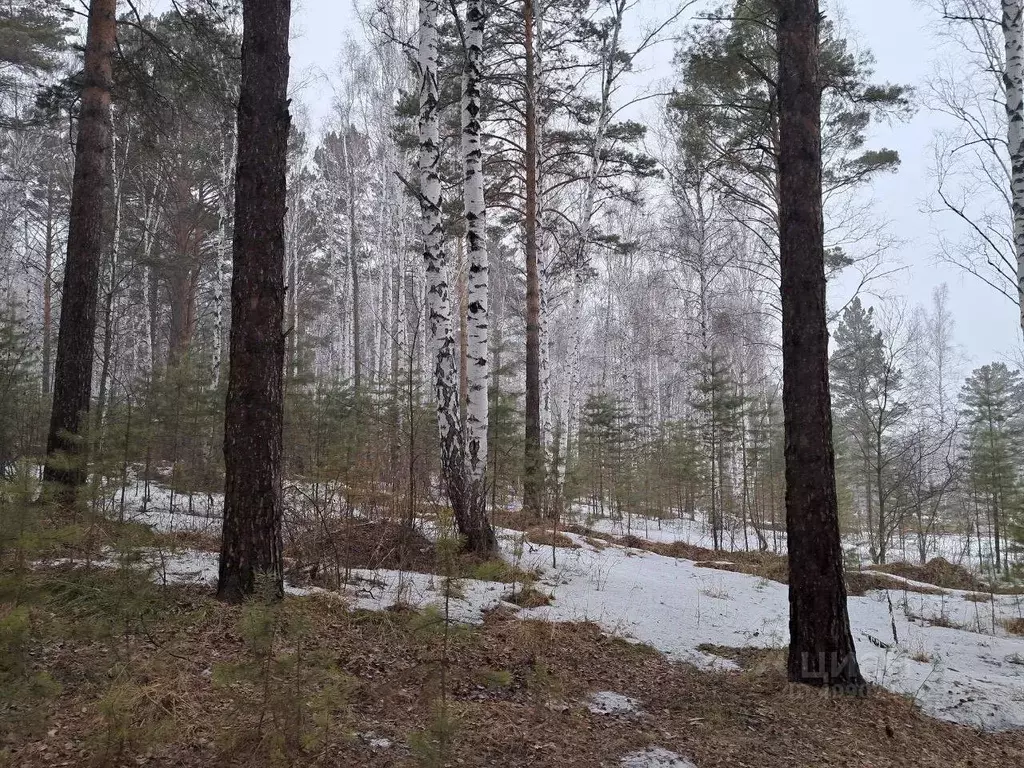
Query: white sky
{"points": [[898, 32]]}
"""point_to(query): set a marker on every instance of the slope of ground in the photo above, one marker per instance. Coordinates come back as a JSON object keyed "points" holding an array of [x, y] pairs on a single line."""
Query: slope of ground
{"points": [[165, 676], [948, 651]]}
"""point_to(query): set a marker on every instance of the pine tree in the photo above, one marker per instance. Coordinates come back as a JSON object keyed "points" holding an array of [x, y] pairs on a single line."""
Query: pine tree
{"points": [[993, 403], [65, 448], [867, 389], [251, 538], [821, 650], [33, 34]]}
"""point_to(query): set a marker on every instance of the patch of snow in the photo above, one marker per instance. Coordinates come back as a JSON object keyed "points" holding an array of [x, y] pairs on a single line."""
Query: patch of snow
{"points": [[611, 703], [970, 677], [952, 655], [373, 741], [165, 510], [655, 757]]}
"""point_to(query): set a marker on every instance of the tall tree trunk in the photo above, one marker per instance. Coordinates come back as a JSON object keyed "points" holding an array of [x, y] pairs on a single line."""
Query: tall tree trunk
{"points": [[353, 256], [109, 322], [821, 650], [533, 469], [477, 370], [66, 452], [478, 534], [609, 53], [1013, 80], [48, 250], [227, 164], [251, 539]]}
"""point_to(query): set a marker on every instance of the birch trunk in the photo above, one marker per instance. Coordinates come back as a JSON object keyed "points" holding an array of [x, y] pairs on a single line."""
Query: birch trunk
{"points": [[1013, 78], [109, 321], [478, 373], [545, 243], [227, 163], [439, 307]]}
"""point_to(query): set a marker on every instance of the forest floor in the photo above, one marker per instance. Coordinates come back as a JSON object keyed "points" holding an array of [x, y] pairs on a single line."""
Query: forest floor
{"points": [[601, 650], [127, 673]]}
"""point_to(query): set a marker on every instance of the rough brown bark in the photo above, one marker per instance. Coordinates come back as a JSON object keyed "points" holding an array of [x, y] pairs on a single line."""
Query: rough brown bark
{"points": [[72, 388], [533, 469], [251, 539], [821, 650]]}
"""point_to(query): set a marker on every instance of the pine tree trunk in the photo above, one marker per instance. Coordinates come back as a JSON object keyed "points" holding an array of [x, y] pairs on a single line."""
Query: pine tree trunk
{"points": [[477, 370], [821, 650], [479, 537], [251, 539], [65, 449], [1013, 80], [533, 469]]}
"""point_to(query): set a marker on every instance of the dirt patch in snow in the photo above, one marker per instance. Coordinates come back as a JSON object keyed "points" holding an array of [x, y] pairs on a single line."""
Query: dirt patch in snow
{"points": [[749, 657], [361, 544], [543, 537], [765, 565], [941, 573], [1014, 626], [321, 558]]}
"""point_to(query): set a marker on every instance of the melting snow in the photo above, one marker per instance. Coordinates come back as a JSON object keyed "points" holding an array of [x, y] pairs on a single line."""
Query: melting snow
{"points": [[949, 653], [611, 703], [655, 757]]}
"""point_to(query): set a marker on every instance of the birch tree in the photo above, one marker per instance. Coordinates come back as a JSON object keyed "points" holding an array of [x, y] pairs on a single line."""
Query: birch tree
{"points": [[1012, 22], [478, 377], [475, 528], [978, 164]]}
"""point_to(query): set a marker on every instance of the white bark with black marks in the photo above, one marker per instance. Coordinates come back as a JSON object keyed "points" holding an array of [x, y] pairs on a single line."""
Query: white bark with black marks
{"points": [[1013, 78], [478, 372]]}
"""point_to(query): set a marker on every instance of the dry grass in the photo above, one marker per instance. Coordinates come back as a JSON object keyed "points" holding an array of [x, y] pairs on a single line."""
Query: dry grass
{"points": [[394, 664], [319, 558], [978, 597], [543, 537], [528, 597], [937, 571], [1014, 626]]}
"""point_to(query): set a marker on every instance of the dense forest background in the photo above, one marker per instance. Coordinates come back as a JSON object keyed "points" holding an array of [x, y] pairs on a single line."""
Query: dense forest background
{"points": [[657, 264]]}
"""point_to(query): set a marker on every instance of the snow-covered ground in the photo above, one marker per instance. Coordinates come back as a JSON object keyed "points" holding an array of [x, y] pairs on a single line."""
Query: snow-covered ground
{"points": [[955, 548], [168, 511], [952, 655]]}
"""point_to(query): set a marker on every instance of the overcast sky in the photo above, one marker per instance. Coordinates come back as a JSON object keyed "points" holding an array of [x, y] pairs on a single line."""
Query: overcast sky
{"points": [[899, 35]]}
